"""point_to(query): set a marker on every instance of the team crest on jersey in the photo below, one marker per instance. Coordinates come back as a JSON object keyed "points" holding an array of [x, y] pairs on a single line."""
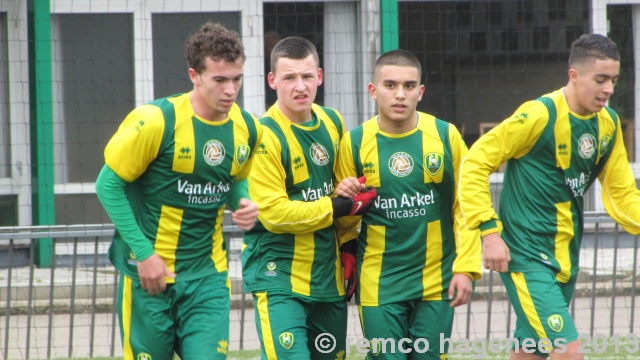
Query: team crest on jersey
{"points": [[555, 322], [319, 154], [603, 147], [401, 164], [144, 356], [587, 146], [286, 340], [433, 163], [271, 269], [242, 154], [132, 259], [213, 152]]}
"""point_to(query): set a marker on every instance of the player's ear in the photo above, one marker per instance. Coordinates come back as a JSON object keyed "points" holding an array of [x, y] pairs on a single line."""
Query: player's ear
{"points": [[320, 76], [372, 90], [193, 75], [271, 77]]}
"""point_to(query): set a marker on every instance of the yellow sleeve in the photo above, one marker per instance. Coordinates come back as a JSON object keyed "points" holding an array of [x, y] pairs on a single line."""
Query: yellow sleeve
{"points": [[620, 196], [512, 138], [267, 188], [346, 226], [136, 143], [468, 247]]}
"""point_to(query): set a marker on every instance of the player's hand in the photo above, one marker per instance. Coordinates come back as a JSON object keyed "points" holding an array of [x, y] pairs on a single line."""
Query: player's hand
{"points": [[351, 187], [357, 205], [151, 272], [460, 289], [246, 215], [348, 259], [495, 253]]}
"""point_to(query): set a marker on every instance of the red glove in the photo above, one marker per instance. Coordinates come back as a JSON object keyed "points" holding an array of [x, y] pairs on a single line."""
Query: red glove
{"points": [[348, 259], [357, 205]]}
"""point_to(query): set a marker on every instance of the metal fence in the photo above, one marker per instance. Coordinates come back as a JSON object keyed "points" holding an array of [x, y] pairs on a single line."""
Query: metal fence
{"points": [[68, 310]]}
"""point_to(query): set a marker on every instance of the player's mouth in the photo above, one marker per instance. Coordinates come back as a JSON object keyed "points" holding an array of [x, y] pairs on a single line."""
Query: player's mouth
{"points": [[602, 101], [227, 102], [399, 107], [301, 98]]}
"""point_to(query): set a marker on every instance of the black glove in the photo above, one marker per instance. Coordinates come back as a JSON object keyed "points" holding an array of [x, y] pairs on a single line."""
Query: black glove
{"points": [[357, 205]]}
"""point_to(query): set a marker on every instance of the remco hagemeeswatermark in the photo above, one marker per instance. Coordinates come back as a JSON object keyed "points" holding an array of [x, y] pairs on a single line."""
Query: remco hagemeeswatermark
{"points": [[326, 343]]}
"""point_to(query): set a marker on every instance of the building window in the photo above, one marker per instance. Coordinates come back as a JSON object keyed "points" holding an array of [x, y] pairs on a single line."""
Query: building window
{"points": [[541, 38], [510, 40], [494, 13], [477, 41], [92, 89], [557, 9]]}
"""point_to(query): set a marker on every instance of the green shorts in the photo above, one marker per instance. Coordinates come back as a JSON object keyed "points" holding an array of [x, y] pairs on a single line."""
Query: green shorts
{"points": [[410, 329], [541, 304], [190, 318], [293, 328]]}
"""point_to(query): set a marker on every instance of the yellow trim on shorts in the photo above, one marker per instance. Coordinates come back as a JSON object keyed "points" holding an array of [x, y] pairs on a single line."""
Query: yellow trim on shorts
{"points": [[126, 317], [527, 303], [265, 326]]}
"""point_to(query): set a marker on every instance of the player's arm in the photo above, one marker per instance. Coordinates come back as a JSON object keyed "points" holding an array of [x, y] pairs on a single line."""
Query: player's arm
{"points": [[467, 263], [267, 188], [127, 155], [468, 249], [110, 189], [512, 138], [620, 196]]}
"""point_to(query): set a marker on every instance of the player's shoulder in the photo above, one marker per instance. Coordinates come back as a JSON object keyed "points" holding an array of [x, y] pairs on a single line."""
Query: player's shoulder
{"points": [[330, 116]]}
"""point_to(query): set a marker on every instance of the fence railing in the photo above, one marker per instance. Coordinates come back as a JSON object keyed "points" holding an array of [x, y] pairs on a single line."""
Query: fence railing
{"points": [[69, 309]]}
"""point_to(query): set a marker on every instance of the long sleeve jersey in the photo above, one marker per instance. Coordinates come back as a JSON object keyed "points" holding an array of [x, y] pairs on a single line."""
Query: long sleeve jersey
{"points": [[412, 240], [293, 248], [167, 178], [553, 156]]}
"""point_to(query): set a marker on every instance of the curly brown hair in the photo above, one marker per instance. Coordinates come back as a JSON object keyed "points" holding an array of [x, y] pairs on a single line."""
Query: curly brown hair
{"points": [[213, 41]]}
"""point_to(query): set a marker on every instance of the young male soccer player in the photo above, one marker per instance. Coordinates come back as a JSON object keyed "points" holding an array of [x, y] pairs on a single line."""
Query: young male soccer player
{"points": [[415, 259], [290, 258], [555, 148], [170, 169]]}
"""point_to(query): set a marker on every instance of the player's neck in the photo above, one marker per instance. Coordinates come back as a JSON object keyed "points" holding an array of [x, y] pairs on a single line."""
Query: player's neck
{"points": [[397, 126]]}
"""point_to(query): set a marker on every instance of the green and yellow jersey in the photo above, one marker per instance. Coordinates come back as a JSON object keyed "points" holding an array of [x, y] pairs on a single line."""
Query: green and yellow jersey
{"points": [[178, 171], [411, 242], [293, 247], [553, 156]]}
